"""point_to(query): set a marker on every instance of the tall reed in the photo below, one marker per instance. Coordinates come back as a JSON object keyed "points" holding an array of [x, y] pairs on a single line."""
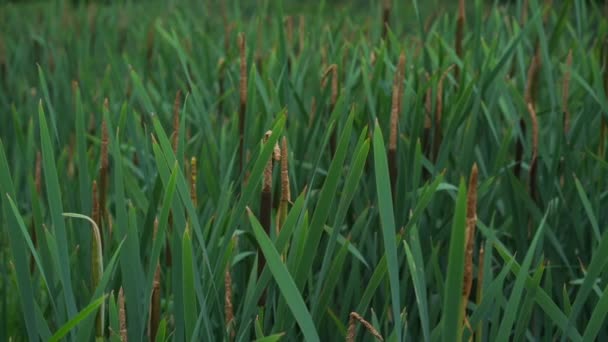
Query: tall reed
{"points": [[394, 124], [243, 97]]}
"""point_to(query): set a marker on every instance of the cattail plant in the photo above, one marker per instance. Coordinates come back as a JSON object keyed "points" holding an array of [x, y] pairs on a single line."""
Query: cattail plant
{"points": [[533, 163], [285, 191], [386, 17], [529, 98], [193, 177], [352, 327], [154, 319], [438, 136], [459, 34], [394, 124], [243, 97], [301, 34], [265, 207], [122, 316], [470, 239], [566, 93], [228, 308]]}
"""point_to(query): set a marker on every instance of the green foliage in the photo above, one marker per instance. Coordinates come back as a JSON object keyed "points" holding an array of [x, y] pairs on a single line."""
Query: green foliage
{"points": [[347, 243]]}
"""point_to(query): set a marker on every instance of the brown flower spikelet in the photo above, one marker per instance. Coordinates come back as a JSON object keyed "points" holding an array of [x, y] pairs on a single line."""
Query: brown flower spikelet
{"points": [[122, 317], [193, 177], [352, 327], [285, 190], [470, 234], [228, 308]]}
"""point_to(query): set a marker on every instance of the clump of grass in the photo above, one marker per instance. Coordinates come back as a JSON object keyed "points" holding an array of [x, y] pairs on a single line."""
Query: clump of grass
{"points": [[394, 124], [352, 327]]}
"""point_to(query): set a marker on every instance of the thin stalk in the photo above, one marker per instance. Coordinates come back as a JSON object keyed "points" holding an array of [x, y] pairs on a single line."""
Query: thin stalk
{"points": [[265, 211], [566, 93], [243, 97], [155, 310], [438, 136]]}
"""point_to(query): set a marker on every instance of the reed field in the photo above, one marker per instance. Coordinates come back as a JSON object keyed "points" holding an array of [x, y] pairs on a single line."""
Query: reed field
{"points": [[304, 171]]}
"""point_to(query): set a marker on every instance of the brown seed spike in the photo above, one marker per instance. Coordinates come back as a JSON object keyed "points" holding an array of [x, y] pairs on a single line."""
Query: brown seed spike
{"points": [[193, 176], [566, 93], [470, 233], [439, 113], [176, 108], [155, 305], [265, 210], [122, 317], [228, 308], [531, 90], [301, 34], [95, 208], [533, 164], [396, 102], [354, 318], [285, 191]]}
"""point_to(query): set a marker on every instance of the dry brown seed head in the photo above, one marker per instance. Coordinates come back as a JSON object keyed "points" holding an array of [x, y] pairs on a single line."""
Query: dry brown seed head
{"points": [[534, 120], [354, 318], [267, 185], [532, 79], [396, 102], [301, 33], [193, 176], [470, 235], [285, 190], [122, 317], [228, 308], [289, 25]]}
